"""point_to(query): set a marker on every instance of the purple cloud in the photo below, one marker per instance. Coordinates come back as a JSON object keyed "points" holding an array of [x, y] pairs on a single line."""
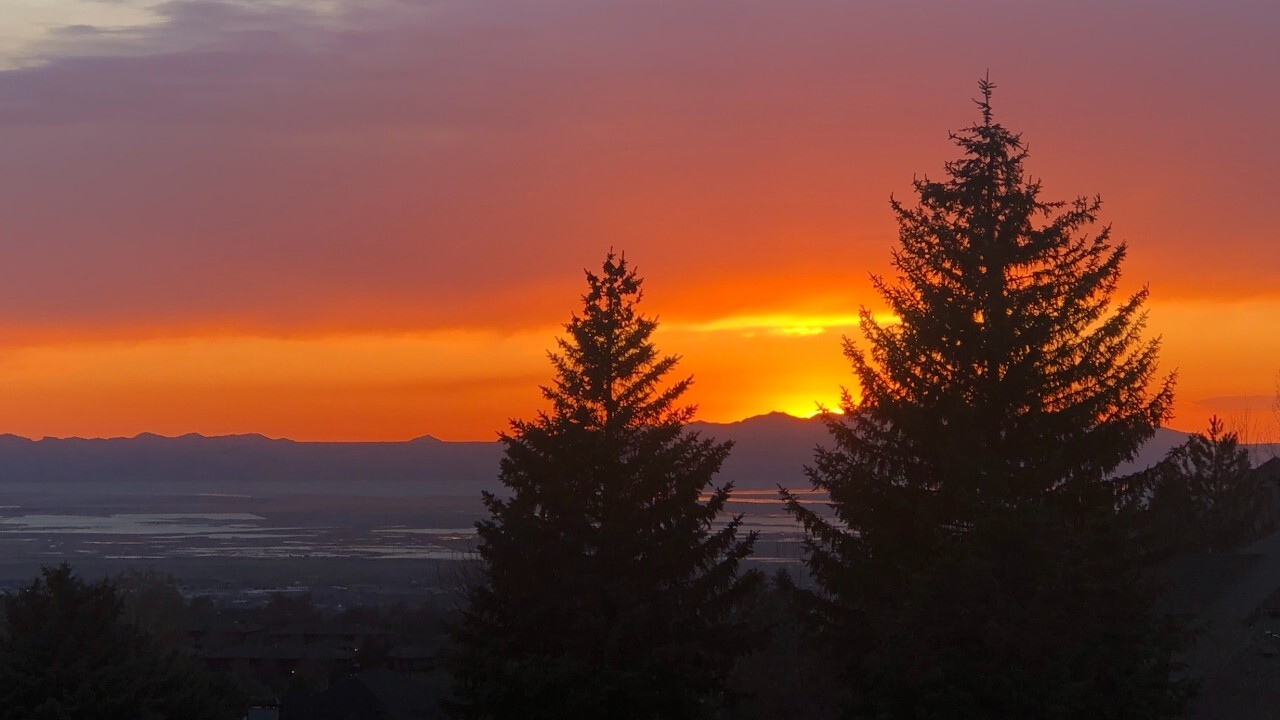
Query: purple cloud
{"points": [[275, 168]]}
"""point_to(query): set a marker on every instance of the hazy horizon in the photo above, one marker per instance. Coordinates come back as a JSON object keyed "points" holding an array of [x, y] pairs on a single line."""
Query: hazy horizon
{"points": [[1257, 433]]}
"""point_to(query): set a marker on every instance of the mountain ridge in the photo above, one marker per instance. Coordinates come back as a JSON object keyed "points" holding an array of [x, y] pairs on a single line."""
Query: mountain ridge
{"points": [[769, 450]]}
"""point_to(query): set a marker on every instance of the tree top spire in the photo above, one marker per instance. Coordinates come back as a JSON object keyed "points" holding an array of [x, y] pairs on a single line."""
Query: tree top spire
{"points": [[985, 86]]}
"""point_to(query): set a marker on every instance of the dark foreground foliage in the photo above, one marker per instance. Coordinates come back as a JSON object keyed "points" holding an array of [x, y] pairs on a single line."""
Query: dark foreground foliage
{"points": [[67, 650], [788, 673], [1205, 497]]}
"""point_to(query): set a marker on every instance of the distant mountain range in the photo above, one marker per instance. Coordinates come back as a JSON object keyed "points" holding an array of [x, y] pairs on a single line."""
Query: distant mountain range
{"points": [[247, 459], [768, 450], [774, 448]]}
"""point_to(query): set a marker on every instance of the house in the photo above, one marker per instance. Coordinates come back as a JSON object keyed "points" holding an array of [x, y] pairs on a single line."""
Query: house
{"points": [[370, 695], [1236, 654]]}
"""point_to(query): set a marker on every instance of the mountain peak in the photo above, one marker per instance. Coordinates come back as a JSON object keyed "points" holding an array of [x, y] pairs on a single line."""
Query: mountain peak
{"points": [[772, 419], [148, 436]]}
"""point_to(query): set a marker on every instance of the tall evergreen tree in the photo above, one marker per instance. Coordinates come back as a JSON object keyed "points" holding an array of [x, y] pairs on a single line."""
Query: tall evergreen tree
{"points": [[608, 579], [977, 565]]}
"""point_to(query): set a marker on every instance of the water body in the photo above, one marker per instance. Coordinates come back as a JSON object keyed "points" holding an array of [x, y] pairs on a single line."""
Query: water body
{"points": [[202, 523]]}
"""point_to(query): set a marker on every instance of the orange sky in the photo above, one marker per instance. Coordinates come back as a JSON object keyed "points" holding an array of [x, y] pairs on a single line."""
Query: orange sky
{"points": [[366, 220]]}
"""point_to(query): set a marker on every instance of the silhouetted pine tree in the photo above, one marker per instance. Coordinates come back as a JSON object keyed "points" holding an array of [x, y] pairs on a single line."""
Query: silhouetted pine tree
{"points": [[977, 565], [607, 581], [1205, 496]]}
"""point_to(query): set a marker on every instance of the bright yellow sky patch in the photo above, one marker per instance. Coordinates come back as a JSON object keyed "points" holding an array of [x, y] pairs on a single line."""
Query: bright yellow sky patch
{"points": [[466, 384]]}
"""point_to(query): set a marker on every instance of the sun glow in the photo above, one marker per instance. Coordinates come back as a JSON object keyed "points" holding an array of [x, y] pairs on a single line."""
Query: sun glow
{"points": [[784, 325], [808, 407]]}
